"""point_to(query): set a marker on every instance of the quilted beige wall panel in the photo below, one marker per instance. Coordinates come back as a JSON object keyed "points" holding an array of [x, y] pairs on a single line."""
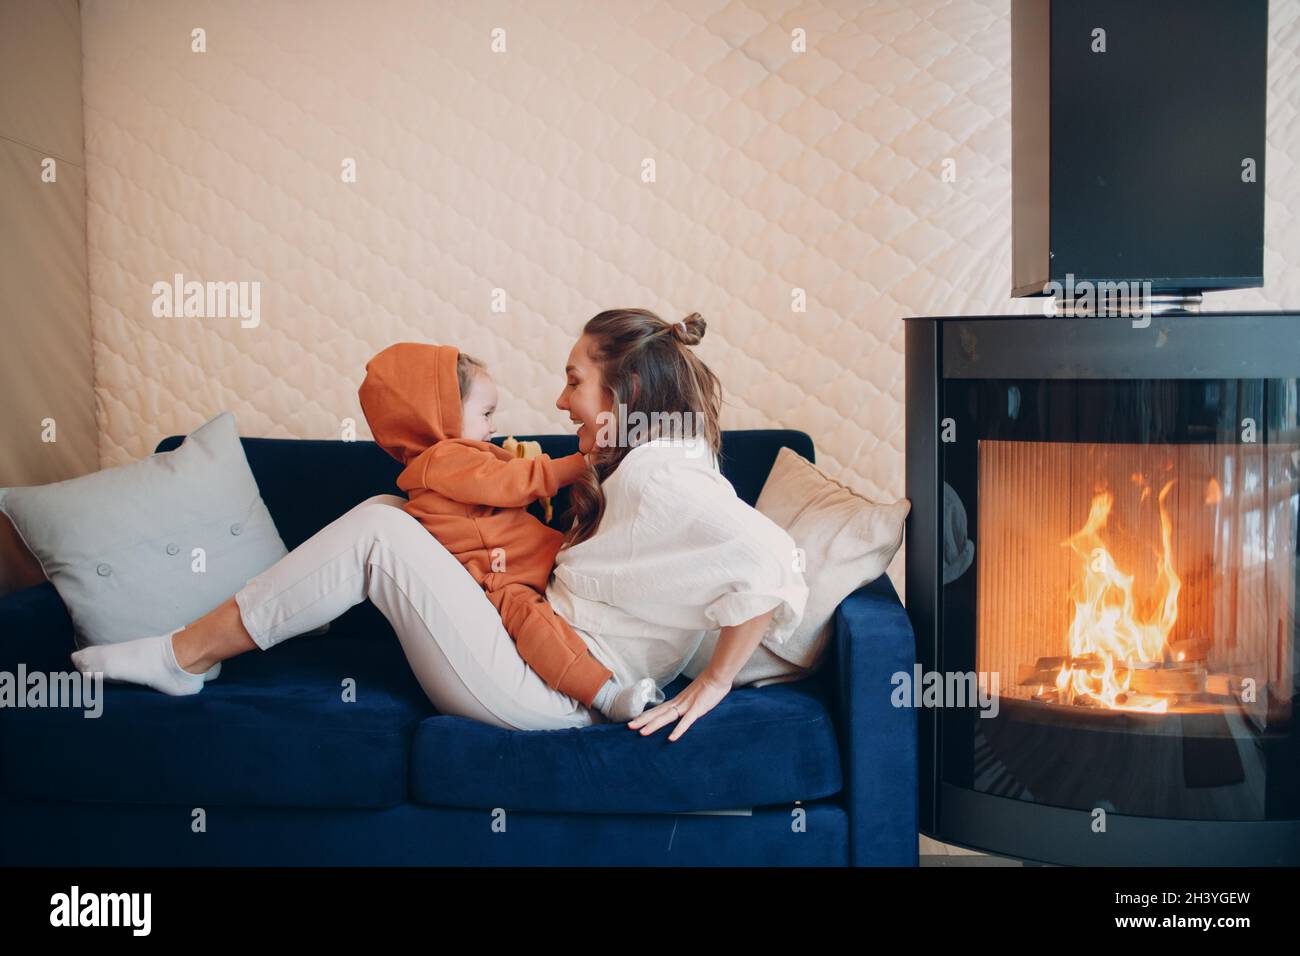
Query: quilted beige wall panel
{"points": [[521, 171], [46, 377]]}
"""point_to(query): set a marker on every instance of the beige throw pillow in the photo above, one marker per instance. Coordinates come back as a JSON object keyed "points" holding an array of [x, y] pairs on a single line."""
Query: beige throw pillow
{"points": [[847, 541]]}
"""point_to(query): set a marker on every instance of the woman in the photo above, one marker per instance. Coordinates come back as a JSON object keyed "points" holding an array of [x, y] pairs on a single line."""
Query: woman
{"points": [[660, 551]]}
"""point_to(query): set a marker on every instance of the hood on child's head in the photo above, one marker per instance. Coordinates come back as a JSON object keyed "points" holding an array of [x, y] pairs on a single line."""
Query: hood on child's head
{"points": [[411, 398]]}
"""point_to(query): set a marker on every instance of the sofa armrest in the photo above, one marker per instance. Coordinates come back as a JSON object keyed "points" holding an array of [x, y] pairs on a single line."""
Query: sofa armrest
{"points": [[35, 630], [873, 641]]}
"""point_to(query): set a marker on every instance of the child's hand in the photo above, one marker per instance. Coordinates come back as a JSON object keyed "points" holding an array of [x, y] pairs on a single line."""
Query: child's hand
{"points": [[527, 449]]}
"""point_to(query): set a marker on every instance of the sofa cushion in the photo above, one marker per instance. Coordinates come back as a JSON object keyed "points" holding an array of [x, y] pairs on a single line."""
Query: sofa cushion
{"points": [[758, 746], [273, 731]]}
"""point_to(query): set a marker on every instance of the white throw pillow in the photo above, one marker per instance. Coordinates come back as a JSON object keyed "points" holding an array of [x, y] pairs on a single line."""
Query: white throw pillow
{"points": [[120, 545], [847, 541]]}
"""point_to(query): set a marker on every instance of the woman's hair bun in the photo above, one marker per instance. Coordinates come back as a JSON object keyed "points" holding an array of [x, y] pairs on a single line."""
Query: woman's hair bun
{"points": [[690, 330]]}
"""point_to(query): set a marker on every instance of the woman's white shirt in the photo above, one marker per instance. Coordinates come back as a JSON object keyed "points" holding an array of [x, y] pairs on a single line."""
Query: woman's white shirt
{"points": [[677, 554]]}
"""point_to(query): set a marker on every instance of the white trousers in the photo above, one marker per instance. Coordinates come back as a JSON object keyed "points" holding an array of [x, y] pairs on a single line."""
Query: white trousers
{"points": [[451, 634]]}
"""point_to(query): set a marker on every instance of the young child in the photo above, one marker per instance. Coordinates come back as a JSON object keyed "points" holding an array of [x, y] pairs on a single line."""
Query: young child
{"points": [[430, 407]]}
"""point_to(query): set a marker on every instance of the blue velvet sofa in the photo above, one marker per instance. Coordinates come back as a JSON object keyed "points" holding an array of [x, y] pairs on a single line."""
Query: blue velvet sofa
{"points": [[821, 772]]}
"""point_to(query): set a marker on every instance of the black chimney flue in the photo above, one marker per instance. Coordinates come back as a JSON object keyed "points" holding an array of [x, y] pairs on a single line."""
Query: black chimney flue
{"points": [[1138, 145]]}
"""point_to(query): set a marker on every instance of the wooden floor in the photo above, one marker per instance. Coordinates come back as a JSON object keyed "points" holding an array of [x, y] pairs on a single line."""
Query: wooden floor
{"points": [[934, 853]]}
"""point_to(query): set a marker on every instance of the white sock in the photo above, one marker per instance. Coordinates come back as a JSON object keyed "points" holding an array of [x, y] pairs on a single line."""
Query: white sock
{"points": [[605, 696], [620, 703], [145, 660]]}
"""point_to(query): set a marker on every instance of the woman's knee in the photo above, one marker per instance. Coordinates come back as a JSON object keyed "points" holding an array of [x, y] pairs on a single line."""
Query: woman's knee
{"points": [[381, 512], [385, 522], [394, 501]]}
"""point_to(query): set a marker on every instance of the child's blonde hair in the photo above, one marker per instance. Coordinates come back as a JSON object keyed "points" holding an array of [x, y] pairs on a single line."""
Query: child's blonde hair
{"points": [[467, 366]]}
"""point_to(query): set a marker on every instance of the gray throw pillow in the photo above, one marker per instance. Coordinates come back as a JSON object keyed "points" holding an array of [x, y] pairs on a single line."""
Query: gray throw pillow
{"points": [[148, 547]]}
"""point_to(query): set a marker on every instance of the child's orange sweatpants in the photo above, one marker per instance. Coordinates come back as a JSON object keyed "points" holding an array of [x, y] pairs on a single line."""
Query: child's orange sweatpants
{"points": [[547, 642]]}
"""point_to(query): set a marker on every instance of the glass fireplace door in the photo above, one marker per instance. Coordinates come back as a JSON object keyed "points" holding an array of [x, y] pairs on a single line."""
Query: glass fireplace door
{"points": [[1121, 555]]}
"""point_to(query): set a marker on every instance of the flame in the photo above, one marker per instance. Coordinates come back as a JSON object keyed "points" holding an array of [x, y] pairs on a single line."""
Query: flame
{"points": [[1106, 626], [1213, 494]]}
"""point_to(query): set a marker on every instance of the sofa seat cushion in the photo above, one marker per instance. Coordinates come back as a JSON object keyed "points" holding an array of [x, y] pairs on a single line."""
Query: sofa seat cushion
{"points": [[759, 746], [273, 730]]}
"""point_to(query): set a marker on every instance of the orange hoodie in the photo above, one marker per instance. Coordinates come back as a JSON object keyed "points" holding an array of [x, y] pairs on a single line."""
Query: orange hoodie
{"points": [[470, 495]]}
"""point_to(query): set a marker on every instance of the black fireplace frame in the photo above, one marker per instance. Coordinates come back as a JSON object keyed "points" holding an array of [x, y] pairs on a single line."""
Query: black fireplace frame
{"points": [[1232, 345]]}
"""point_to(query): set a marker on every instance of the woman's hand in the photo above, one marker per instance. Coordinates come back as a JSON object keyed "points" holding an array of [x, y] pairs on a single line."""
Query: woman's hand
{"points": [[736, 644], [698, 698]]}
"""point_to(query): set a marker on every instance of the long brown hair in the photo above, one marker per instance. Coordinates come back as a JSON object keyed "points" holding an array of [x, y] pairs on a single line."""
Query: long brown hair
{"points": [[648, 367]]}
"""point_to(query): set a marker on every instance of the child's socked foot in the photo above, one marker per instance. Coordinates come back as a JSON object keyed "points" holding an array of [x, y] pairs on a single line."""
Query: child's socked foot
{"points": [[620, 703]]}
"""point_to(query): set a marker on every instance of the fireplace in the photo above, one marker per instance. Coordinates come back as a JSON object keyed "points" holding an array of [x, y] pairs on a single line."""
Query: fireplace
{"points": [[1105, 517], [1104, 506], [1178, 575]]}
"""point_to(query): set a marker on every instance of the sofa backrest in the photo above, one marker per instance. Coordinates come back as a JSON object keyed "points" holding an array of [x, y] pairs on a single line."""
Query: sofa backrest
{"points": [[307, 483]]}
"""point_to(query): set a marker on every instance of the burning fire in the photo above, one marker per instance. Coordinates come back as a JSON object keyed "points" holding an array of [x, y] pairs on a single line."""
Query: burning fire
{"points": [[1108, 641]]}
